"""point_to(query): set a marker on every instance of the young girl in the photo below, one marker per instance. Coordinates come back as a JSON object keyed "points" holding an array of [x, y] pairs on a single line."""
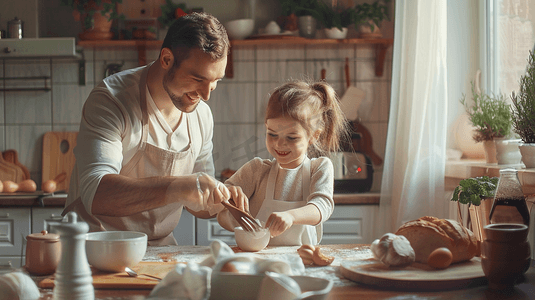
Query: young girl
{"points": [[292, 193]]}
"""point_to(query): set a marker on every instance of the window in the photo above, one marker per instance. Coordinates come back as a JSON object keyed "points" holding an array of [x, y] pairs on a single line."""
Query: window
{"points": [[509, 36]]}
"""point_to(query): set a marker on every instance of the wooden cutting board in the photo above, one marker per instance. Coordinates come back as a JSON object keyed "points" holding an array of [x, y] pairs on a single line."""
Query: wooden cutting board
{"points": [[104, 280], [10, 171], [58, 156], [417, 276], [12, 156]]}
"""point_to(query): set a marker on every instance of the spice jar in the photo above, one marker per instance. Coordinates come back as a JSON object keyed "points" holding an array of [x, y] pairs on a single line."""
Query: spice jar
{"points": [[15, 28], [43, 251], [509, 204]]}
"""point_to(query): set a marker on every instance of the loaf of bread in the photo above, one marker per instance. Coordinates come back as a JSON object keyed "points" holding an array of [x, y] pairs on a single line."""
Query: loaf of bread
{"points": [[429, 233]]}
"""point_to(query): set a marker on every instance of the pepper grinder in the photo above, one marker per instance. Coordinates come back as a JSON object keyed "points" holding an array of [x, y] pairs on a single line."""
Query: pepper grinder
{"points": [[73, 279]]}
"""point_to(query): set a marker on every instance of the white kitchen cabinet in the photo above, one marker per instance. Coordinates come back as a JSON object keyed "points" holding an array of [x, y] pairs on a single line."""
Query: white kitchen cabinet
{"points": [[209, 230], [43, 218], [350, 224], [184, 232], [14, 227]]}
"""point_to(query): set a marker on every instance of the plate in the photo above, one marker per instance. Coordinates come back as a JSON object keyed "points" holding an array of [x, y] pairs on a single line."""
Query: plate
{"points": [[417, 276]]}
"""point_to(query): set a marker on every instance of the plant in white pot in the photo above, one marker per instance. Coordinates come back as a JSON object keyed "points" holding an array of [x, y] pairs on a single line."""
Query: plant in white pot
{"points": [[491, 117], [369, 18], [524, 113], [336, 19], [306, 12]]}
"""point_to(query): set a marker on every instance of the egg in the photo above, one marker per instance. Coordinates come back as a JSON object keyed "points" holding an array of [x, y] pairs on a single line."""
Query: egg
{"points": [[10, 186], [1, 186], [27, 185], [440, 258], [49, 186]]}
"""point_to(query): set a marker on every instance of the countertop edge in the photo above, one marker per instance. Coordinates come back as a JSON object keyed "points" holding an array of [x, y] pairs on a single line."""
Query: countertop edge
{"points": [[57, 201]]}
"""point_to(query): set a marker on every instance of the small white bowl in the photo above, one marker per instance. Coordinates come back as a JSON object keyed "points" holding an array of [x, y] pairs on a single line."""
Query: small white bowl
{"points": [[114, 250], [239, 29], [251, 241]]}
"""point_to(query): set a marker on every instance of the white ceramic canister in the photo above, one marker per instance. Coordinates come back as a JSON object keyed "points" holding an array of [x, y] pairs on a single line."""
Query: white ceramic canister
{"points": [[507, 151]]}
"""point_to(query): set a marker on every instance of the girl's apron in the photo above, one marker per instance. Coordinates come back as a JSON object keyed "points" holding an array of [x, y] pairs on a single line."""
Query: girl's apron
{"points": [[297, 234], [148, 161]]}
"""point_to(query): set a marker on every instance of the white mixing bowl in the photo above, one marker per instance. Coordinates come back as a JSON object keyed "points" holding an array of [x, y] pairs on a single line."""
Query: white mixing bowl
{"points": [[251, 241], [239, 29], [114, 250]]}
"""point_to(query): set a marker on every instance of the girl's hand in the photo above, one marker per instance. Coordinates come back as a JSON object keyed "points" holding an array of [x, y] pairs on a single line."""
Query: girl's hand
{"points": [[236, 193], [279, 222]]}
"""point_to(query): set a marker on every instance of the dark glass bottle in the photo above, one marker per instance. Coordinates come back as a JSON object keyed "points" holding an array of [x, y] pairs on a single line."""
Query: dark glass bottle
{"points": [[509, 204]]}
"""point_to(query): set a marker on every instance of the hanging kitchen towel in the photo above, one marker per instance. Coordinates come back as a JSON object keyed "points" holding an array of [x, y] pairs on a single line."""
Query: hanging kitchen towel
{"points": [[18, 286]]}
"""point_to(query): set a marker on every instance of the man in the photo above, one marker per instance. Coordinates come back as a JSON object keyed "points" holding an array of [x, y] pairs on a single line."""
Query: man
{"points": [[144, 149]]}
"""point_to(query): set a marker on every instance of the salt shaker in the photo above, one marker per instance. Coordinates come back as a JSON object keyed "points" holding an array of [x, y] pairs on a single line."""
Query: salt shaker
{"points": [[73, 279]]}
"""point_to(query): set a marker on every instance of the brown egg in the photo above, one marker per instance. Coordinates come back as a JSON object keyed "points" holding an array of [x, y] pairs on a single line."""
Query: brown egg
{"points": [[49, 186], [1, 186], [27, 185], [440, 258], [10, 186]]}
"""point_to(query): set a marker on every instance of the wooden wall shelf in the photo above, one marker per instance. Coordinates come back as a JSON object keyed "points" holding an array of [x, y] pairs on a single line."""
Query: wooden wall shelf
{"points": [[381, 46]]}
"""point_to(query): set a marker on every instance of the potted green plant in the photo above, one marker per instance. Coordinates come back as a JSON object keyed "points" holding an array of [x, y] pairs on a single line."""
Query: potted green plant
{"points": [[306, 12], [171, 12], [491, 117], [369, 17], [96, 17], [524, 113], [336, 20], [478, 194]]}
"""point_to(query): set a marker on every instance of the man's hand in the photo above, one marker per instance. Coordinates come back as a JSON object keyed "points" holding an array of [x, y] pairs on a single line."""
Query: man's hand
{"points": [[241, 200]]}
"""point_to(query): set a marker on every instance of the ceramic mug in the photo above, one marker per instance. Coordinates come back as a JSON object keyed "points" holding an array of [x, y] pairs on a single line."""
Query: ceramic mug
{"points": [[505, 254], [43, 252]]}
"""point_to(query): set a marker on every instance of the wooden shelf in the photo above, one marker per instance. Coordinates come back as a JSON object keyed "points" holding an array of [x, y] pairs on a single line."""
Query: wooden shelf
{"points": [[142, 46]]}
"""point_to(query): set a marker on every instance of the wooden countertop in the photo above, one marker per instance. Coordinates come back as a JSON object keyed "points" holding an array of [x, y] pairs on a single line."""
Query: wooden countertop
{"points": [[342, 289], [59, 200]]}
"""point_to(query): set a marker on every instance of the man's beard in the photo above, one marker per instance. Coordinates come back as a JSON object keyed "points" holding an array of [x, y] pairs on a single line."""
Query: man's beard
{"points": [[178, 101]]}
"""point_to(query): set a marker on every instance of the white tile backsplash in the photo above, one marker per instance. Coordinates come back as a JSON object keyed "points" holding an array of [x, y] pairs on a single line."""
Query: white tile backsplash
{"points": [[234, 145], [67, 72], [238, 103], [68, 102], [2, 137], [233, 103], [280, 52], [28, 141], [280, 71], [28, 107], [244, 71]]}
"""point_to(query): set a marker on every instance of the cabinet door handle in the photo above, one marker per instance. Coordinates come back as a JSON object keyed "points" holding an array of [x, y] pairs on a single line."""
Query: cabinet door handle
{"points": [[8, 265], [56, 217], [6, 215]]}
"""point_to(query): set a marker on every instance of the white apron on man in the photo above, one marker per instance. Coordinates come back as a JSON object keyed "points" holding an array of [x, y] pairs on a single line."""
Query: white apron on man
{"points": [[148, 161]]}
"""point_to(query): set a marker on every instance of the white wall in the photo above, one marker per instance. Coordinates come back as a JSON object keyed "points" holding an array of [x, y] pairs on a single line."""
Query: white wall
{"points": [[26, 10]]}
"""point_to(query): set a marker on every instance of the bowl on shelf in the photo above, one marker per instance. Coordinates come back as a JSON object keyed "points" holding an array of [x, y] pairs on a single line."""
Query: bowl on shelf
{"points": [[239, 29], [112, 251]]}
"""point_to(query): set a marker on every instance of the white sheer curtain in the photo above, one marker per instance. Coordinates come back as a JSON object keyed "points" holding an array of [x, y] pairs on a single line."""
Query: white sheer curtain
{"points": [[414, 168]]}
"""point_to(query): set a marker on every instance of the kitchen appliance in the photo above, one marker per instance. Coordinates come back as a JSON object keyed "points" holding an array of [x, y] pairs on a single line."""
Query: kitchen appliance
{"points": [[37, 47], [353, 172], [353, 165]]}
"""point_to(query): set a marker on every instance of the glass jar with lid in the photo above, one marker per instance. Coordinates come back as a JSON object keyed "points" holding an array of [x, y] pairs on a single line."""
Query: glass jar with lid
{"points": [[509, 204]]}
